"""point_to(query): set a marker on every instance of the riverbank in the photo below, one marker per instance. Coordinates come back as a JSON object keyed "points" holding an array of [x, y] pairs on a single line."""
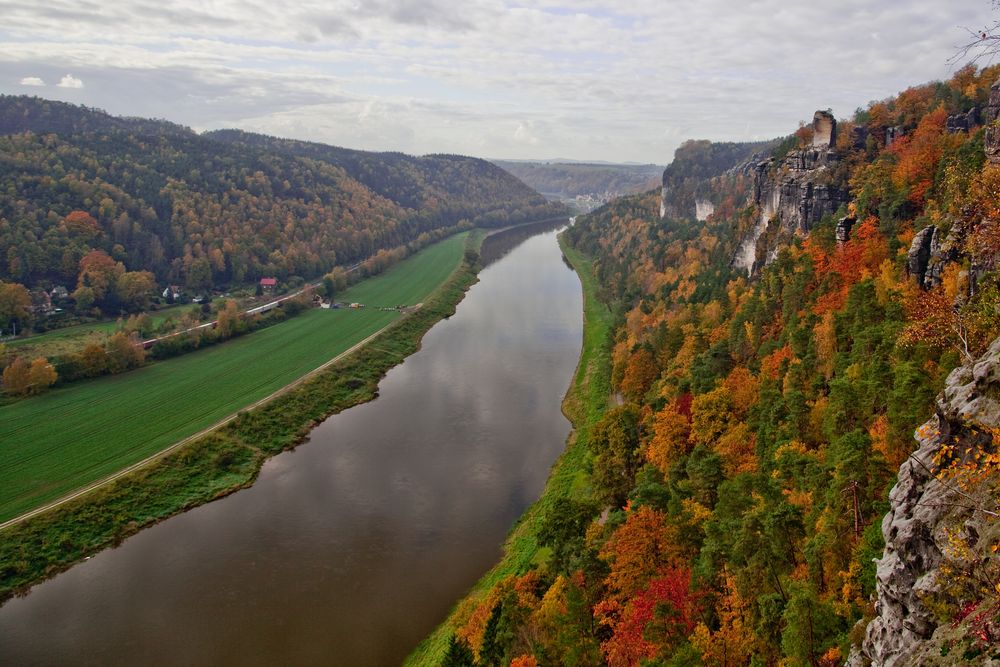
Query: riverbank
{"points": [[585, 402], [220, 463], [73, 437]]}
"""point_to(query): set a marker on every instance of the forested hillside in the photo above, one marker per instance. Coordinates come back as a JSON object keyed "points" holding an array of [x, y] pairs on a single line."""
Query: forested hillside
{"points": [[732, 504], [80, 188], [445, 187]]}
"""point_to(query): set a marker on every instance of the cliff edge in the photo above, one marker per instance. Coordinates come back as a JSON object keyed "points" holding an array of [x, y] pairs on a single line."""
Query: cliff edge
{"points": [[937, 581]]}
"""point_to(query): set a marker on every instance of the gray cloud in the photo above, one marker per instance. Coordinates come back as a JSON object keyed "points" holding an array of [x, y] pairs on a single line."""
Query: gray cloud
{"points": [[534, 79]]}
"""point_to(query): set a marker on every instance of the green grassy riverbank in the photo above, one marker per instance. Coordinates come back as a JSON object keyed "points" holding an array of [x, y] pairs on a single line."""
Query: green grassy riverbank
{"points": [[230, 457]]}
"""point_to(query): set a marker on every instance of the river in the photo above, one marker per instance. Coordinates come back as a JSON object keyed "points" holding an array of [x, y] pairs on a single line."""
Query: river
{"points": [[351, 548]]}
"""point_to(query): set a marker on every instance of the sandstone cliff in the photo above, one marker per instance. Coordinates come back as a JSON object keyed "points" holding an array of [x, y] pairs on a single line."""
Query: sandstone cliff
{"points": [[992, 121], [936, 595], [791, 195], [687, 191], [931, 250]]}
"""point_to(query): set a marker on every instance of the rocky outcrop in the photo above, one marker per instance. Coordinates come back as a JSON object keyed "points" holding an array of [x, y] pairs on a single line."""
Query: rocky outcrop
{"points": [[844, 227], [992, 120], [893, 133], [963, 122], [926, 515], [688, 179], [792, 195], [924, 244], [824, 130]]}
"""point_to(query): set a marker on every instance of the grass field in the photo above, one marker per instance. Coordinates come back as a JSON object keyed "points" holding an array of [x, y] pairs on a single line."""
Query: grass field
{"points": [[63, 440]]}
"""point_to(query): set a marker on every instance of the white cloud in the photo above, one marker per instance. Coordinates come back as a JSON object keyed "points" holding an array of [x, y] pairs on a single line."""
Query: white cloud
{"points": [[32, 81], [70, 81], [525, 133]]}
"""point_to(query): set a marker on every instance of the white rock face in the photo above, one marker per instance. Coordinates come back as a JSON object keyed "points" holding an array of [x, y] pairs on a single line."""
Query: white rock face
{"points": [[702, 209], [663, 202], [746, 254]]}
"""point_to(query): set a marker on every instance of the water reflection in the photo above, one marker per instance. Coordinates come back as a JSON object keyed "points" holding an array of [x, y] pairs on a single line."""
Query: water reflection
{"points": [[351, 548], [499, 244]]}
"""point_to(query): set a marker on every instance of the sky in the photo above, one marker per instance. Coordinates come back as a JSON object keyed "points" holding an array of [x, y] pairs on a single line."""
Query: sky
{"points": [[538, 79]]}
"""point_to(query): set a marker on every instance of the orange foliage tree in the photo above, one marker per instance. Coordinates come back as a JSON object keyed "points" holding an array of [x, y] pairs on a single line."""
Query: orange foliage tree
{"points": [[919, 155], [637, 550], [640, 373]]}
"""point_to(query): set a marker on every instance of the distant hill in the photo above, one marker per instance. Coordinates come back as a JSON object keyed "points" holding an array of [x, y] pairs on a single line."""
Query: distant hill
{"points": [[206, 211], [601, 181], [452, 185]]}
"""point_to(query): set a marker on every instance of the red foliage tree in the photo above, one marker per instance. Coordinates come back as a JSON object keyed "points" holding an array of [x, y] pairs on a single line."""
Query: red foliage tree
{"points": [[659, 616]]}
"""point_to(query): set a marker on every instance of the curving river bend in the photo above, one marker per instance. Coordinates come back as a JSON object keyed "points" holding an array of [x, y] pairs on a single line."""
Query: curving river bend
{"points": [[351, 548]]}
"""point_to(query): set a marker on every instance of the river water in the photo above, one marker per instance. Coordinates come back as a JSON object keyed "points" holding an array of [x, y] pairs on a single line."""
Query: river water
{"points": [[351, 548]]}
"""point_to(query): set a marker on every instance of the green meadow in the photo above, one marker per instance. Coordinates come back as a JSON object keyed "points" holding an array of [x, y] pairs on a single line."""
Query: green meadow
{"points": [[70, 437]]}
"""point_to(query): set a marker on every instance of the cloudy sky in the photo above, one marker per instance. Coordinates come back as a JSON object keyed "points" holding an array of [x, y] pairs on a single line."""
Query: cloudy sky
{"points": [[624, 81]]}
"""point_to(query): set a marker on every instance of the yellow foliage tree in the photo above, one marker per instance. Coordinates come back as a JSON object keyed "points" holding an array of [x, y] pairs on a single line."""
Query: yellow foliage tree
{"points": [[16, 377], [826, 344], [743, 389], [670, 439], [124, 353], [711, 416], [737, 447], [41, 376], [732, 645]]}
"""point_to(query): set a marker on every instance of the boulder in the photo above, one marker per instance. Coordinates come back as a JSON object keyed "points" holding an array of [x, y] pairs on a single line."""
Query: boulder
{"points": [[791, 196], [859, 137]]}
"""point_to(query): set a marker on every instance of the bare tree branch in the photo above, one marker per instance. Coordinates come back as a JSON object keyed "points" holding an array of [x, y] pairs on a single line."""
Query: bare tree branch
{"points": [[983, 43]]}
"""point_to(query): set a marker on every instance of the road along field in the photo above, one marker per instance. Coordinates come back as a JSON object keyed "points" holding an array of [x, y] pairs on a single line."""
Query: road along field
{"points": [[71, 437]]}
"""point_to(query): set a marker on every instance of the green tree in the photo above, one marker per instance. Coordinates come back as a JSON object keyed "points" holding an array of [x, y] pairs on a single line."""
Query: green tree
{"points": [[562, 529], [135, 289], [458, 654], [84, 297], [614, 444], [198, 275], [811, 627], [491, 654]]}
